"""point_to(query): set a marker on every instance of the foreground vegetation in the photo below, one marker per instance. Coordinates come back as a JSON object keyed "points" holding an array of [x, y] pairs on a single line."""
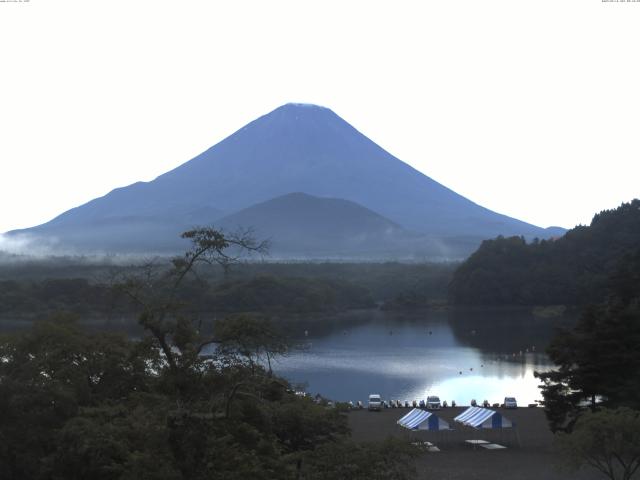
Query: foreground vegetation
{"points": [[101, 406], [175, 404], [592, 398], [607, 440], [598, 360]]}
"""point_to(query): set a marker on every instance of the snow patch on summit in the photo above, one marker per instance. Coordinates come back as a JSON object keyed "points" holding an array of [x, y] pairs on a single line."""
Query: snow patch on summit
{"points": [[306, 105]]}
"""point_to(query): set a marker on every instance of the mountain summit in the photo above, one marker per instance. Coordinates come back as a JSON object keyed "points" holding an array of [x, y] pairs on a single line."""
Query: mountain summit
{"points": [[295, 148]]}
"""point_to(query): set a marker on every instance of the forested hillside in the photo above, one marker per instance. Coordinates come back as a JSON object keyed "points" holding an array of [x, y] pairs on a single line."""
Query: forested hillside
{"points": [[572, 269], [31, 291]]}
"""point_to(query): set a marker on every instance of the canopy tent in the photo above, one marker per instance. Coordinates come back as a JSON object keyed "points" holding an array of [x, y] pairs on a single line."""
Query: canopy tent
{"points": [[418, 419], [478, 417]]}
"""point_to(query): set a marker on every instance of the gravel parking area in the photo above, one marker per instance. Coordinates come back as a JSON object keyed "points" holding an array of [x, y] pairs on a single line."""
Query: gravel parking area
{"points": [[529, 454]]}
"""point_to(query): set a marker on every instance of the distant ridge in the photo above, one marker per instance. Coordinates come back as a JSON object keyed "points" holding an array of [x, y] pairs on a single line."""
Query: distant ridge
{"points": [[295, 148], [302, 224]]}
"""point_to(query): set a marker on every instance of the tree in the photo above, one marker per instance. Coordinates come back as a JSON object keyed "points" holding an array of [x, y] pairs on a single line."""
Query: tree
{"points": [[214, 246], [598, 360], [80, 405], [607, 440], [49, 375], [156, 292], [252, 337], [388, 460]]}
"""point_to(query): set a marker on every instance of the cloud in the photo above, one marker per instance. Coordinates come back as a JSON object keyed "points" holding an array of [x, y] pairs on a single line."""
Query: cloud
{"points": [[27, 245]]}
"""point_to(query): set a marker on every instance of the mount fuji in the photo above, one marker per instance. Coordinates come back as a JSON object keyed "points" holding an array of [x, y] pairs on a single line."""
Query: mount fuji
{"points": [[298, 149]]}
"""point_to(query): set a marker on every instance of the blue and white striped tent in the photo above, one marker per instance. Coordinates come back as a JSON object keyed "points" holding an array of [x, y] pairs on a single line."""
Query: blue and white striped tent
{"points": [[418, 419], [478, 417]]}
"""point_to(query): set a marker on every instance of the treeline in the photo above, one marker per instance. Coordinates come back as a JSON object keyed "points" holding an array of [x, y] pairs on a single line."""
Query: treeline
{"points": [[78, 295], [267, 293], [573, 269], [264, 293], [385, 281], [271, 288]]}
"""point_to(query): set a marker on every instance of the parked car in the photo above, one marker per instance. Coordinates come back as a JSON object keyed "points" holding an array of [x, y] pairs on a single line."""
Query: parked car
{"points": [[375, 402], [433, 402], [510, 402]]}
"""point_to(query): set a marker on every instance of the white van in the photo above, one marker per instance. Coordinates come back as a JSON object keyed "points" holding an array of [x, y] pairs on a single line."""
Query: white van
{"points": [[375, 402], [433, 402]]}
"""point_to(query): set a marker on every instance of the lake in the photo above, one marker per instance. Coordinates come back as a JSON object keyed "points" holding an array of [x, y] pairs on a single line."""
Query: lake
{"points": [[455, 354]]}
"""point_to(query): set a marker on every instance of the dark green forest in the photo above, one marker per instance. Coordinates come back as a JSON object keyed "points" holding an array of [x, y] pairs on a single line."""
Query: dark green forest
{"points": [[571, 270], [263, 293], [180, 402], [592, 397], [102, 406], [598, 360], [31, 290]]}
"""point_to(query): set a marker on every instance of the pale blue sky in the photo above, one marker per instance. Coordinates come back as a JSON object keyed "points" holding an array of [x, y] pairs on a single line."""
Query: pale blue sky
{"points": [[529, 108]]}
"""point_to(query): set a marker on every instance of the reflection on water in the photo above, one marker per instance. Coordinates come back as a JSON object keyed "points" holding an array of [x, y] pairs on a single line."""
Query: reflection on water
{"points": [[456, 355]]}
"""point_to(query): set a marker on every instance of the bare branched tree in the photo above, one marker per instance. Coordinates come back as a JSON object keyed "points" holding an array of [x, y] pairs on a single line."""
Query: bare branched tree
{"points": [[155, 290], [215, 247]]}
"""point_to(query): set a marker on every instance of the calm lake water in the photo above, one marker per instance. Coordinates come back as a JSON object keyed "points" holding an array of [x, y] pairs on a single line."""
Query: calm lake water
{"points": [[457, 355]]}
